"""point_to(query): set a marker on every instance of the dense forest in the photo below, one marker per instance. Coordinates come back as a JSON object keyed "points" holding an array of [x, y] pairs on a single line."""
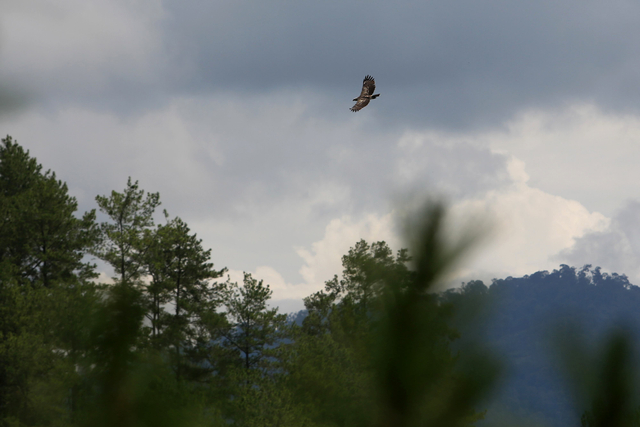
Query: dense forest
{"points": [[173, 342]]}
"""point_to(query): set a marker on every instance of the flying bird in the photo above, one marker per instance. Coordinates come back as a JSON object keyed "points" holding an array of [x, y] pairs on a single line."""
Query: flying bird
{"points": [[368, 87]]}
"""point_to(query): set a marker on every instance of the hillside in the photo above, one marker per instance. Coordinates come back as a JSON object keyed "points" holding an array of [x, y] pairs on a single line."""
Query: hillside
{"points": [[523, 319]]}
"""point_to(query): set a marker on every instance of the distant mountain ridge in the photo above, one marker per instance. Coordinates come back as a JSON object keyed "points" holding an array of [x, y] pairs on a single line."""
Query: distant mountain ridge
{"points": [[518, 318]]}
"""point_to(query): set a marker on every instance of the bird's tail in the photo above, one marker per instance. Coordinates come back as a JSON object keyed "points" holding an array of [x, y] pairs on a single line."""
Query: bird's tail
{"points": [[375, 96]]}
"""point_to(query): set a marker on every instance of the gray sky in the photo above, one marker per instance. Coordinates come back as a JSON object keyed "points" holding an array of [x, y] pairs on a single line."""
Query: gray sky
{"points": [[237, 113]]}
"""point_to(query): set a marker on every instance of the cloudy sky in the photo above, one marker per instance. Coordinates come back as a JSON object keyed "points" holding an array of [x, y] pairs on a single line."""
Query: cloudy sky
{"points": [[527, 113]]}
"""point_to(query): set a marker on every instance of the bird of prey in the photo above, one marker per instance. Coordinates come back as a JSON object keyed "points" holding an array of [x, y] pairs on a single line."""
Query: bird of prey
{"points": [[368, 87]]}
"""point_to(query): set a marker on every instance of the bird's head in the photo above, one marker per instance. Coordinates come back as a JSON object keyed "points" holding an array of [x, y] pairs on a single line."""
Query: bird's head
{"points": [[355, 99]]}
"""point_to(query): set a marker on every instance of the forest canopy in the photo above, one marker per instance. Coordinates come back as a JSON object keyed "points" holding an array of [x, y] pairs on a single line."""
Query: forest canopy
{"points": [[172, 341]]}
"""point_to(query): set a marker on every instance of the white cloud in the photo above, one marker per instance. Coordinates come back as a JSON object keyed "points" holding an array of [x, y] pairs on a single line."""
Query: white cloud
{"points": [[95, 152], [268, 274], [579, 153], [243, 127], [103, 278], [324, 259], [530, 227], [252, 182], [615, 249], [275, 190]]}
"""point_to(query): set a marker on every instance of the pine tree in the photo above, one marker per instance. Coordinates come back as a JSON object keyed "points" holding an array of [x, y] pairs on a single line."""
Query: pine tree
{"points": [[124, 239], [42, 245], [254, 326], [41, 241], [182, 278]]}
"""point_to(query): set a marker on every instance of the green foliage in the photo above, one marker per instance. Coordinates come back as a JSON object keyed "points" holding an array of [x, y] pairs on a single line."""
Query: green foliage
{"points": [[374, 349], [330, 364], [44, 347], [347, 305], [181, 277], [124, 239], [131, 386], [24, 349], [41, 242], [156, 348], [243, 364], [42, 274], [253, 327], [262, 400], [417, 379], [327, 380]]}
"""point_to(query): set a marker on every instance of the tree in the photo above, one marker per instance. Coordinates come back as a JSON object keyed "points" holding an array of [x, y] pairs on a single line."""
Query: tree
{"points": [[349, 307], [131, 386], [367, 268], [329, 364], [42, 245], [375, 348], [182, 278], [125, 239], [418, 379], [41, 241], [253, 327]]}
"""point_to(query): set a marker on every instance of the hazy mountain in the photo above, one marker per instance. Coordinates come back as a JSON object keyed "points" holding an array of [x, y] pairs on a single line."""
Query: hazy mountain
{"points": [[523, 320]]}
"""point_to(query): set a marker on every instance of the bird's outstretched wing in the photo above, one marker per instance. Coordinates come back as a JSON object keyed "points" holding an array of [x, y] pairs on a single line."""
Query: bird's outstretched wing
{"points": [[368, 86], [366, 95], [362, 102]]}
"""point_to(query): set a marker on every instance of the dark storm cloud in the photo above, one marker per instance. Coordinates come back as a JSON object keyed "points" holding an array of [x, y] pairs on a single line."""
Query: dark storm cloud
{"points": [[438, 62], [441, 63], [12, 97], [12, 100]]}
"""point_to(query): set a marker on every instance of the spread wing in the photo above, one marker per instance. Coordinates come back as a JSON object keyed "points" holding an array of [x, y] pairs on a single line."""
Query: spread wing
{"points": [[362, 102], [368, 86]]}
